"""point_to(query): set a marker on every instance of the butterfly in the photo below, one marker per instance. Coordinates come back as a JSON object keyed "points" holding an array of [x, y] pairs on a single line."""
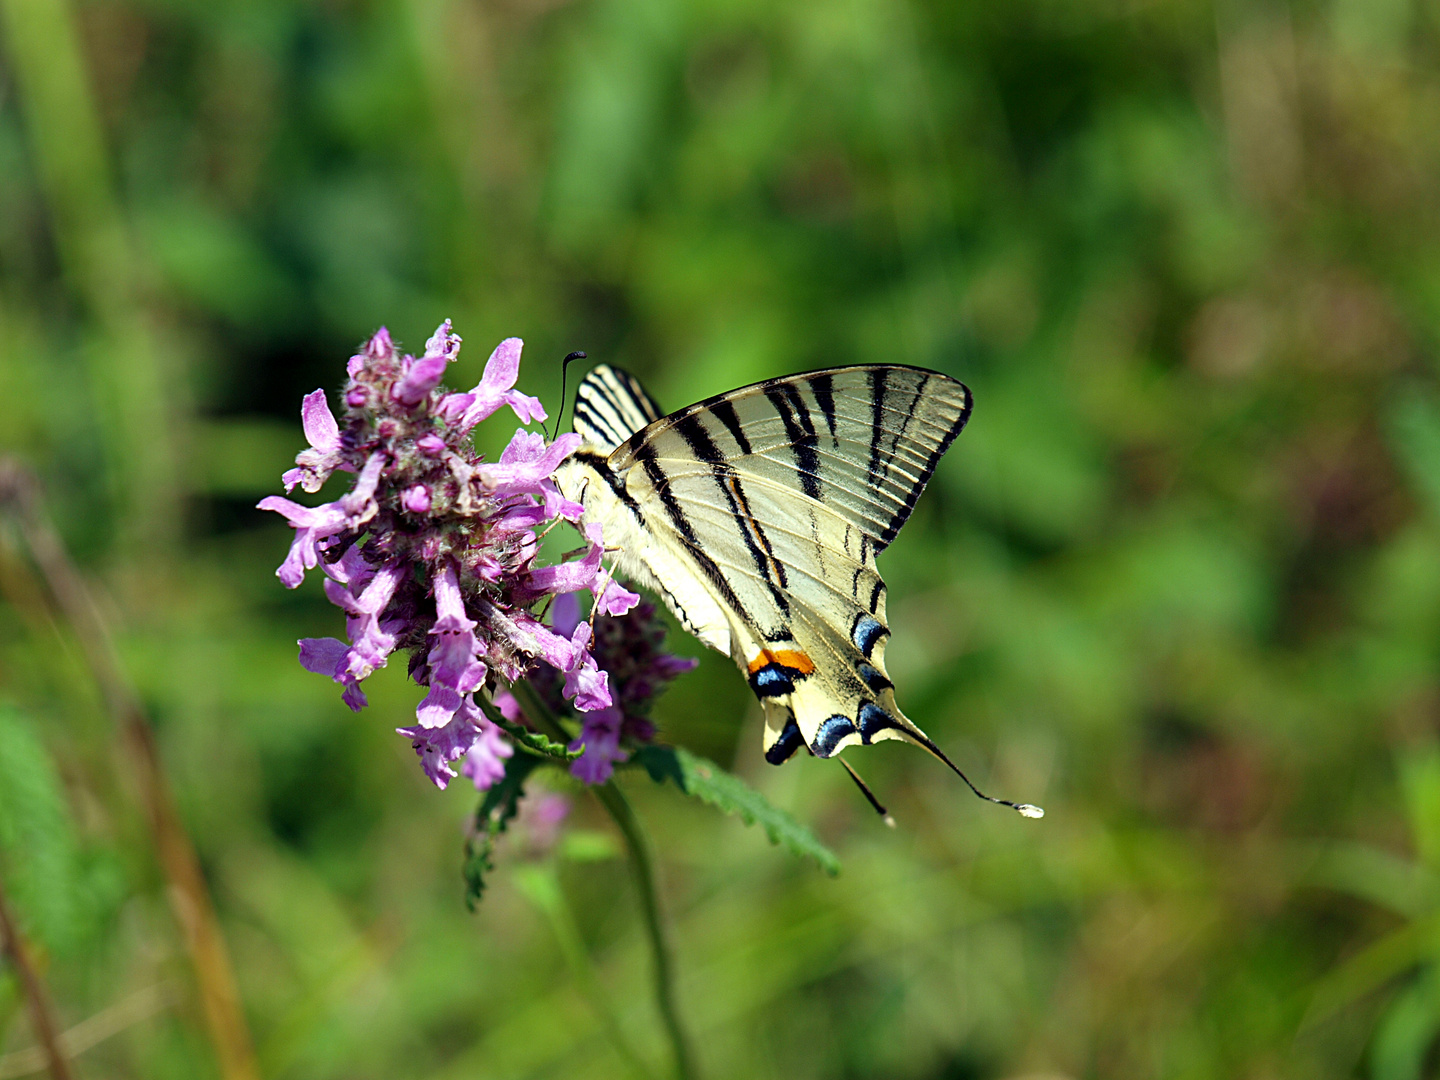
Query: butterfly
{"points": [[757, 516]]}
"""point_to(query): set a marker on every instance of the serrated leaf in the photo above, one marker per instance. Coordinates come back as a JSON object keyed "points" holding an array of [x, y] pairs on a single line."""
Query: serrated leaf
{"points": [[496, 811], [541, 744], [531, 740], [708, 782]]}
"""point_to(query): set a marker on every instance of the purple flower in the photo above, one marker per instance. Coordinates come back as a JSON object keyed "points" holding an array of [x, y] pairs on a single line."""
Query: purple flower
{"points": [[612, 598], [314, 466], [493, 391], [423, 375], [628, 652], [485, 760], [468, 735], [454, 665], [328, 656], [600, 735], [631, 650], [312, 529], [588, 685], [433, 549], [364, 600]]}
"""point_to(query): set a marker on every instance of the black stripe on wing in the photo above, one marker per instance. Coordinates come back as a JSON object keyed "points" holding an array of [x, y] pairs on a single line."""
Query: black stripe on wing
{"points": [[692, 429], [912, 495], [877, 379], [788, 741], [800, 430], [724, 411], [894, 422], [680, 521], [611, 406]]}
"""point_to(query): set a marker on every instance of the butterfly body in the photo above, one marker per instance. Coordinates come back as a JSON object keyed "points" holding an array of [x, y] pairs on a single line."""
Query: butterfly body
{"points": [[757, 516]]}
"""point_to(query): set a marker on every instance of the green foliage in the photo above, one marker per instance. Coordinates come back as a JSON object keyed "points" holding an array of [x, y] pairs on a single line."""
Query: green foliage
{"points": [[1178, 581], [497, 809], [534, 741], [62, 891], [704, 780], [1409, 1024]]}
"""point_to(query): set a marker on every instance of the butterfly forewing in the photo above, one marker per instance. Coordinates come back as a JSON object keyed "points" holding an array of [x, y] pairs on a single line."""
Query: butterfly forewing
{"points": [[610, 406], [778, 496], [862, 440]]}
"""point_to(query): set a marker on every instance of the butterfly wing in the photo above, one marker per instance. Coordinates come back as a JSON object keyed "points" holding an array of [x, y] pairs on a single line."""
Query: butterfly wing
{"points": [[777, 498], [610, 406]]}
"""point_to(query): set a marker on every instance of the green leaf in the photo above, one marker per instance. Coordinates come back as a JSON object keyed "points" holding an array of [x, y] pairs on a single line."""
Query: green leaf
{"points": [[1406, 1031], [706, 781], [497, 810], [530, 740], [541, 744], [62, 891]]}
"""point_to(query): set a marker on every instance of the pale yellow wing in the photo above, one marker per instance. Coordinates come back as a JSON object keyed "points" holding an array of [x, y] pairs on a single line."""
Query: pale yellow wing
{"points": [[778, 497]]}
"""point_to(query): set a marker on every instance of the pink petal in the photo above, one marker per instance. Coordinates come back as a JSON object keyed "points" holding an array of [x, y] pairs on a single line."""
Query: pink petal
{"points": [[319, 422]]}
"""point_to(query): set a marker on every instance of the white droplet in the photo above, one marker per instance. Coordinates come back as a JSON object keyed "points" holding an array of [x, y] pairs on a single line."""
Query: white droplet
{"points": [[1026, 810]]}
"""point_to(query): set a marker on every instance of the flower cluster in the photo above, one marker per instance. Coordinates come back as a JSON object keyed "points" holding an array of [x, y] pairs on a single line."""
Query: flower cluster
{"points": [[433, 549], [631, 652]]}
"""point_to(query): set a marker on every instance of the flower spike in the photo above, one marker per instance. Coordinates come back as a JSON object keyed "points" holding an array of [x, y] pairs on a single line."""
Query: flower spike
{"points": [[433, 550]]}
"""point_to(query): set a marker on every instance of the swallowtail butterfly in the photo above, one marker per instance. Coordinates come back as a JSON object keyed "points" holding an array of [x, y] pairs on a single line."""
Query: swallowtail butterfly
{"points": [[757, 516]]}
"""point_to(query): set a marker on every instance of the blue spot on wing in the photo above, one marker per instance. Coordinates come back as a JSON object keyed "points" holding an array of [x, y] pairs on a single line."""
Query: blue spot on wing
{"points": [[772, 680], [873, 720], [872, 678], [783, 748], [831, 732], [867, 633]]}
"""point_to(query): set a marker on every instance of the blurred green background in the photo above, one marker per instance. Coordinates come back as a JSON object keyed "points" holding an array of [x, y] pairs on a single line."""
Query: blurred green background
{"points": [[1179, 581]]}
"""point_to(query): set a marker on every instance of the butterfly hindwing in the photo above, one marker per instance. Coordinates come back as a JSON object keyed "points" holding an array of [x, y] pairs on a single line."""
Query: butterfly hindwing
{"points": [[775, 499]]}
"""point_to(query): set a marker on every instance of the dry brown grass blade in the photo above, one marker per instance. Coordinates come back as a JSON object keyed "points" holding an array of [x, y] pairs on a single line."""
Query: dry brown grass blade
{"points": [[42, 1015], [93, 1030], [188, 893]]}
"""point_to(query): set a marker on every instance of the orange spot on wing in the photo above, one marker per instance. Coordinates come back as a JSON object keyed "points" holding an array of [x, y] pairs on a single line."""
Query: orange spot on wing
{"points": [[790, 658]]}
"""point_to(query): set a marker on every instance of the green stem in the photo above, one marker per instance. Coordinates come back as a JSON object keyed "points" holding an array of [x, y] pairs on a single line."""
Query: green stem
{"points": [[534, 740], [642, 867]]}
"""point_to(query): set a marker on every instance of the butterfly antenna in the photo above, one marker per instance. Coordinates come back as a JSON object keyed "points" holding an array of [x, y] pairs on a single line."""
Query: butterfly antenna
{"points": [[1024, 809], [870, 795], [564, 370]]}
